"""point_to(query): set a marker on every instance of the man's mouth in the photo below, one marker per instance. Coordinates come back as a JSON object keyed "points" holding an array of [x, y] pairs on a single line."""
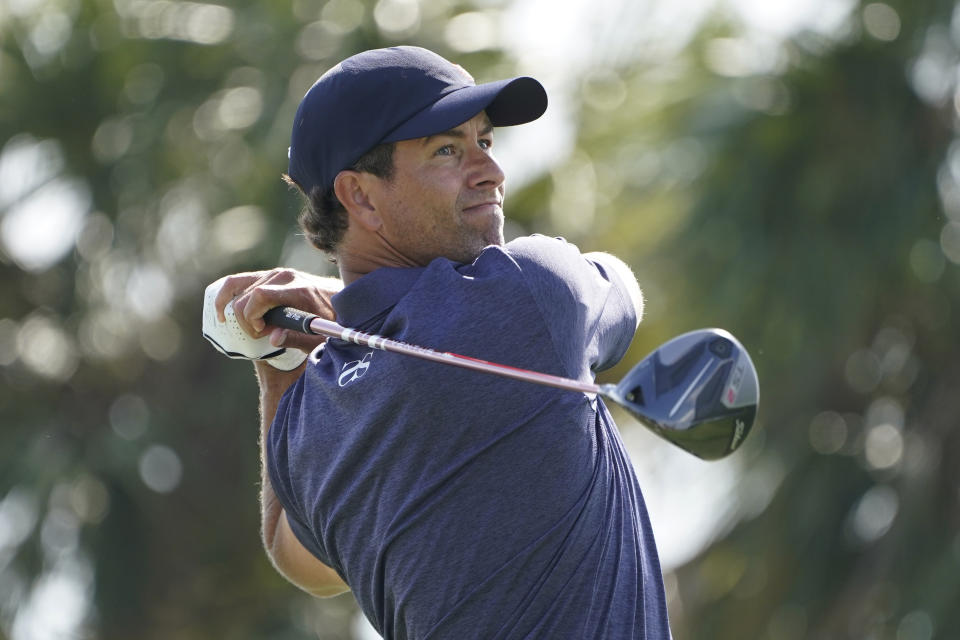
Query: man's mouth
{"points": [[490, 206]]}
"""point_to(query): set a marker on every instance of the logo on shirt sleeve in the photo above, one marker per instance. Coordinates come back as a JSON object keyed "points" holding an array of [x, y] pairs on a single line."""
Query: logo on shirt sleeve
{"points": [[353, 370]]}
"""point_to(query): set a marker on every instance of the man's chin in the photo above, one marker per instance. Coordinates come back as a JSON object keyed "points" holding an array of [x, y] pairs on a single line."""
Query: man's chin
{"points": [[468, 254]]}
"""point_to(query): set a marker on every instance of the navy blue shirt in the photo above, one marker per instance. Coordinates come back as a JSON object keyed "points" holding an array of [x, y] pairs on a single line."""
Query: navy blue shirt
{"points": [[458, 504]]}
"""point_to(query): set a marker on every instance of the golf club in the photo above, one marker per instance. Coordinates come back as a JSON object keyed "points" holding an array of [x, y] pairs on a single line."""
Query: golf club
{"points": [[698, 390]]}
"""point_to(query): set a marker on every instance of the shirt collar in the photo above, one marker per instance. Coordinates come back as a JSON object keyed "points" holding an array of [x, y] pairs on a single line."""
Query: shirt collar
{"points": [[366, 298]]}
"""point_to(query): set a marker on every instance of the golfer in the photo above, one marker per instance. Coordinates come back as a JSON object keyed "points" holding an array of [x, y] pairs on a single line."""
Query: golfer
{"points": [[453, 504]]}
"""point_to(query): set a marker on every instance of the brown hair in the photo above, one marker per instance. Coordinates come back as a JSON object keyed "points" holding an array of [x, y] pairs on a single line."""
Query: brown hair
{"points": [[324, 219]]}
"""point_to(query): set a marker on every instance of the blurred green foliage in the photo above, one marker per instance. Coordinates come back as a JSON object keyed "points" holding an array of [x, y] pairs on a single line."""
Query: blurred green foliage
{"points": [[804, 195]]}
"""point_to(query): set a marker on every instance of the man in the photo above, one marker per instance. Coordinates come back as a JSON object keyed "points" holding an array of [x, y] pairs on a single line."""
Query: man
{"points": [[452, 503]]}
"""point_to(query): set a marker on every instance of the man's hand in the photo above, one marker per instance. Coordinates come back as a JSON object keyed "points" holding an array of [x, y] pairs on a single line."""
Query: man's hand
{"points": [[232, 341], [256, 292]]}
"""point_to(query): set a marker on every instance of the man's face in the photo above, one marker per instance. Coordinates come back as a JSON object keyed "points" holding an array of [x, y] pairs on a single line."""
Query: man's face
{"points": [[446, 195]]}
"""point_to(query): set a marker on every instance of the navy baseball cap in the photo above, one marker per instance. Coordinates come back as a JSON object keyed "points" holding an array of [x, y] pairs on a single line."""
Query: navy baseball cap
{"points": [[388, 95]]}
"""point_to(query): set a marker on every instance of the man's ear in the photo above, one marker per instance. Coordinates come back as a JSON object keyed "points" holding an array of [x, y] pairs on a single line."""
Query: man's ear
{"points": [[352, 189]]}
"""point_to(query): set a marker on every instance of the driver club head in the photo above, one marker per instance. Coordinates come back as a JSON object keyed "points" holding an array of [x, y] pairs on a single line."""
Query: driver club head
{"points": [[698, 390]]}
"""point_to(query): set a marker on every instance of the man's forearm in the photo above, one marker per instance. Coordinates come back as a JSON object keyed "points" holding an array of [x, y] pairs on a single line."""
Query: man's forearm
{"points": [[287, 554], [273, 384]]}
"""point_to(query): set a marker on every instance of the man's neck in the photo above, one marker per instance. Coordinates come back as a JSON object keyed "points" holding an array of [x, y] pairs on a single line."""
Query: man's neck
{"points": [[361, 254]]}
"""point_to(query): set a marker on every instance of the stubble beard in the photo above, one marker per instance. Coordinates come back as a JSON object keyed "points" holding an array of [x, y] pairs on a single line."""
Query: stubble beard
{"points": [[474, 243], [459, 242]]}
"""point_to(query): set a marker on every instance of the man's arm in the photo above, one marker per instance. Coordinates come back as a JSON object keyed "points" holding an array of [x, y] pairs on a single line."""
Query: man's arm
{"points": [[288, 555], [253, 294]]}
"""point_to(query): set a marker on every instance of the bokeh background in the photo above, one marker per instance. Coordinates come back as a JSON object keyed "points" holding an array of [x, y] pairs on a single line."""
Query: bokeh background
{"points": [[788, 171]]}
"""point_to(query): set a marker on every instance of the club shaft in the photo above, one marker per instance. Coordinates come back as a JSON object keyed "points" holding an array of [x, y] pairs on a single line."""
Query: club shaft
{"points": [[297, 320]]}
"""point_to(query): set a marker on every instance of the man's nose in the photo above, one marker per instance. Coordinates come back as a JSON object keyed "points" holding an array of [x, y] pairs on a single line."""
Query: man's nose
{"points": [[485, 171]]}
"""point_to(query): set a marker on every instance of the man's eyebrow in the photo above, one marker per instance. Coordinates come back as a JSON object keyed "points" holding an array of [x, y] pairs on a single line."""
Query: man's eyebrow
{"points": [[457, 132]]}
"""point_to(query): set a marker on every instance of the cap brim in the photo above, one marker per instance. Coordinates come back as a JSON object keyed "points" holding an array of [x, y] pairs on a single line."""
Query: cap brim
{"points": [[507, 103]]}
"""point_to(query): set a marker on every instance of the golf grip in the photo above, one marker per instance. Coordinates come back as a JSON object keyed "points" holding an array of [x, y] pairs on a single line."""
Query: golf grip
{"points": [[297, 320], [290, 318]]}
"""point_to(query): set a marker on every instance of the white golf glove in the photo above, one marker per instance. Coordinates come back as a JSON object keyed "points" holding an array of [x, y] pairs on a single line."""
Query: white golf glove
{"points": [[230, 340]]}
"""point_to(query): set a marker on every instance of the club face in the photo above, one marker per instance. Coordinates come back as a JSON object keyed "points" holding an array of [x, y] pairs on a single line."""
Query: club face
{"points": [[699, 391]]}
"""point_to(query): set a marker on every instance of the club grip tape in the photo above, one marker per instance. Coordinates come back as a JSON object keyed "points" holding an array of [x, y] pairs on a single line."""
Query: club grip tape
{"points": [[289, 318]]}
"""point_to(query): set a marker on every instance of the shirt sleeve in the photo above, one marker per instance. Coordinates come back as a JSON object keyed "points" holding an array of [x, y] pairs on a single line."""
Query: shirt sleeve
{"points": [[589, 309]]}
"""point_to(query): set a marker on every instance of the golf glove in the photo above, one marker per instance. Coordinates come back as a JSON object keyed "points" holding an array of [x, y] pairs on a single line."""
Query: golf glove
{"points": [[230, 340]]}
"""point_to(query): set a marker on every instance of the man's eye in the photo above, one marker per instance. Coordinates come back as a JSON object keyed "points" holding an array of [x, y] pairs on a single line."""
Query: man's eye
{"points": [[446, 150], [485, 143]]}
